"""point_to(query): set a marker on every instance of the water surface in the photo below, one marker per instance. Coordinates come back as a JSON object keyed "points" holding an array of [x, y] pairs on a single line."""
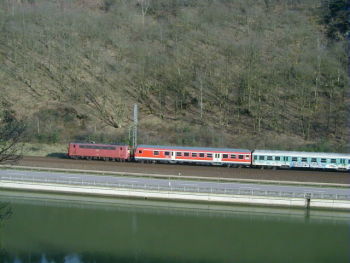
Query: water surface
{"points": [[82, 230]]}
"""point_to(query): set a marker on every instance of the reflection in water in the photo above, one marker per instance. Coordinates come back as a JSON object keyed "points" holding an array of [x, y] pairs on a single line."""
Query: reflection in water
{"points": [[44, 260], [71, 258], [81, 231], [5, 211], [74, 258]]}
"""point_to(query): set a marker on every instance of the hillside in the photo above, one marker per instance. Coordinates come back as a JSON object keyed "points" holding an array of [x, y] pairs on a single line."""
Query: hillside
{"points": [[240, 73]]}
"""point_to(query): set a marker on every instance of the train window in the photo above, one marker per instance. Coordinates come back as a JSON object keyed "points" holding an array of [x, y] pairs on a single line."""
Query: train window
{"points": [[323, 160], [294, 159], [304, 159], [194, 154], [140, 151], [255, 157], [201, 155], [349, 161], [333, 161], [285, 158], [156, 153], [313, 160], [269, 158], [261, 157], [178, 154], [247, 157], [209, 155], [186, 154], [233, 156], [225, 156], [240, 157], [277, 158], [166, 153]]}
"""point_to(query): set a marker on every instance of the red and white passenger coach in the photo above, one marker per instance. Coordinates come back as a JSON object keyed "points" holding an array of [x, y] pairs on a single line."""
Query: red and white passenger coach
{"points": [[178, 154], [99, 151]]}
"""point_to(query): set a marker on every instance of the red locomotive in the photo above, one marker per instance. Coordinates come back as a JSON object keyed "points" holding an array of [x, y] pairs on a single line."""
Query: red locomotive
{"points": [[202, 155], [106, 152]]}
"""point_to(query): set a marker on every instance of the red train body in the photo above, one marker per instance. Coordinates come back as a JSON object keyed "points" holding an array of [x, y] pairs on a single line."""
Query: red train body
{"points": [[209, 156], [174, 154], [99, 151]]}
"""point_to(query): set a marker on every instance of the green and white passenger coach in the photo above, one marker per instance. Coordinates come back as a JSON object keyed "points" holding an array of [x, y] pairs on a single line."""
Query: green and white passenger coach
{"points": [[290, 159]]}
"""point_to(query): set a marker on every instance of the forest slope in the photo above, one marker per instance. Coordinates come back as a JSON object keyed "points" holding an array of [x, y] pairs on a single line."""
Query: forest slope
{"points": [[240, 73]]}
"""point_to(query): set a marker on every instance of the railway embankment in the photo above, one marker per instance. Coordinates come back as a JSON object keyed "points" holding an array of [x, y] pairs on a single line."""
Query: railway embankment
{"points": [[176, 189], [211, 172]]}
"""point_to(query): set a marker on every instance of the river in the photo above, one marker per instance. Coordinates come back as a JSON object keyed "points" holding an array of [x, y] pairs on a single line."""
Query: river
{"points": [[68, 229]]}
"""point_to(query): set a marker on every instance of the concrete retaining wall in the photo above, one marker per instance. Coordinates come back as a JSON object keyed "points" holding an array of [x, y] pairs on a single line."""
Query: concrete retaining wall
{"points": [[177, 196]]}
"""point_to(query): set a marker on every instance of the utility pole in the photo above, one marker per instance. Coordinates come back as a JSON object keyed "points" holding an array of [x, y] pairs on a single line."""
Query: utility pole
{"points": [[134, 137]]}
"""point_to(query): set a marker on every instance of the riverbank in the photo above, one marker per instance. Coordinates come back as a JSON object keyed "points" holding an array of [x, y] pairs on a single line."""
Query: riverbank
{"points": [[209, 198]]}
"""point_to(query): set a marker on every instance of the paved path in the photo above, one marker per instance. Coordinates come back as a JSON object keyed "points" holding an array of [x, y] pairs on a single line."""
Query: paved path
{"points": [[175, 185]]}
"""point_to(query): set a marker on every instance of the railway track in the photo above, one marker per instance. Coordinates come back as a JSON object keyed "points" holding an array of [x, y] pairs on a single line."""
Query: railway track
{"points": [[190, 170]]}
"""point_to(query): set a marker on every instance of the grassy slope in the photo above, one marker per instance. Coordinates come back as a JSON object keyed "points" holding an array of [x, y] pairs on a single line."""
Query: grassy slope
{"points": [[222, 73]]}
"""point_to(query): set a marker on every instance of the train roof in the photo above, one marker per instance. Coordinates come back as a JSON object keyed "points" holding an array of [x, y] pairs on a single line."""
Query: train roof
{"points": [[302, 154], [194, 148], [99, 144]]}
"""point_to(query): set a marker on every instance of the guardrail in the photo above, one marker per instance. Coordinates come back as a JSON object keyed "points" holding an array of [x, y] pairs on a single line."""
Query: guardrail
{"points": [[91, 182], [175, 177]]}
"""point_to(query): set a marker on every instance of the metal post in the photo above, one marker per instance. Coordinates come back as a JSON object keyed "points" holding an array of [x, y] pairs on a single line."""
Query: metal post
{"points": [[135, 126], [307, 200]]}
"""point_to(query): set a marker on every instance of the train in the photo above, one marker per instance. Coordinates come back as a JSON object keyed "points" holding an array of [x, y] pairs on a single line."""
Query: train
{"points": [[210, 156]]}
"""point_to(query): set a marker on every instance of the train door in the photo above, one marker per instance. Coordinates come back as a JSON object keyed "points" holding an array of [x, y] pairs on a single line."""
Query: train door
{"points": [[342, 164], [285, 162], [74, 149], [217, 157], [173, 154]]}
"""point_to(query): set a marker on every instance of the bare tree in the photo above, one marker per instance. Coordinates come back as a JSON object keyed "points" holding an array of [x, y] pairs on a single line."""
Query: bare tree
{"points": [[145, 5], [108, 108], [10, 141], [11, 134]]}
